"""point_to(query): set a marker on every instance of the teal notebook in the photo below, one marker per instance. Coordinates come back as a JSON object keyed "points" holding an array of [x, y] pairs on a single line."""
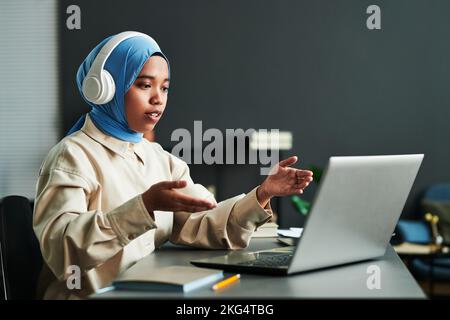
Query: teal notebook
{"points": [[168, 279]]}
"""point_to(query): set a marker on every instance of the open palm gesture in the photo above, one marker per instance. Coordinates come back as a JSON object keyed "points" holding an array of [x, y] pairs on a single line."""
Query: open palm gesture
{"points": [[284, 180]]}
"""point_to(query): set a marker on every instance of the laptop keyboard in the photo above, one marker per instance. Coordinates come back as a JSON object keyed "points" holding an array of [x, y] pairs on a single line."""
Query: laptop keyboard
{"points": [[271, 260]]}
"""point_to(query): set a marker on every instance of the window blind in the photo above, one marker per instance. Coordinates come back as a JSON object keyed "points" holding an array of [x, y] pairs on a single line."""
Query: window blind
{"points": [[29, 115]]}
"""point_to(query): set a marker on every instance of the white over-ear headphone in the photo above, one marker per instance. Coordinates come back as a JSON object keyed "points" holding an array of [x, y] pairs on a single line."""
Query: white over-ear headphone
{"points": [[98, 85]]}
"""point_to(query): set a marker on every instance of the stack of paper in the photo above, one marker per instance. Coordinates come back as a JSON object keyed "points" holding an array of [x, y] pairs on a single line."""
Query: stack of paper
{"points": [[291, 232], [268, 229]]}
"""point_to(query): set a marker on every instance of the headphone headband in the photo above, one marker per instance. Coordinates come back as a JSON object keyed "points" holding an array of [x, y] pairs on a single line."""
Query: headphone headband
{"points": [[100, 60]]}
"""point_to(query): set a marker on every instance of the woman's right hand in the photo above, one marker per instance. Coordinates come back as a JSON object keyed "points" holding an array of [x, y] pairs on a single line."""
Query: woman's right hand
{"points": [[163, 196]]}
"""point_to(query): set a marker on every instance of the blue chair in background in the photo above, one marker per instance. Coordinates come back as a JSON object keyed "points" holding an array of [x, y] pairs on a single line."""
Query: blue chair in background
{"points": [[435, 199]]}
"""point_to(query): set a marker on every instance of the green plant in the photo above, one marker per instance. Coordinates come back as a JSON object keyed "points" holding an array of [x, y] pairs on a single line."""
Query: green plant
{"points": [[302, 206]]}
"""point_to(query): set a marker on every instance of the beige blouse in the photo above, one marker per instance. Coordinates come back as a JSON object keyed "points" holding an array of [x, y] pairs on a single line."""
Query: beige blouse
{"points": [[89, 211]]}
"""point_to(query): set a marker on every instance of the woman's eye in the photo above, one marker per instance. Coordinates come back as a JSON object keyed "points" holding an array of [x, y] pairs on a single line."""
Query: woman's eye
{"points": [[144, 85], [166, 89]]}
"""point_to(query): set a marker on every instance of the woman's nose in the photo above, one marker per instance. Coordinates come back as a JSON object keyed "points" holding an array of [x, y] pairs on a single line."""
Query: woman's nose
{"points": [[156, 98]]}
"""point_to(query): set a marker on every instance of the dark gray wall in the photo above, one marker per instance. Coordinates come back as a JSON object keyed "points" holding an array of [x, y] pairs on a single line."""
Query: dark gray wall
{"points": [[310, 67]]}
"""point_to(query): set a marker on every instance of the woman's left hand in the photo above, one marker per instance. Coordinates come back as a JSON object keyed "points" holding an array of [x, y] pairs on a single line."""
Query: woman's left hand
{"points": [[283, 181]]}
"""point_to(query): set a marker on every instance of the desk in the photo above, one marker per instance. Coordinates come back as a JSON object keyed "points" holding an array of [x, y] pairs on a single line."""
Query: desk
{"points": [[340, 282]]}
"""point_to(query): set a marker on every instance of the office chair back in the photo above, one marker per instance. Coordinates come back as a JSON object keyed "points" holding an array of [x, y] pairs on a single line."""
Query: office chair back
{"points": [[20, 254], [437, 201], [438, 192]]}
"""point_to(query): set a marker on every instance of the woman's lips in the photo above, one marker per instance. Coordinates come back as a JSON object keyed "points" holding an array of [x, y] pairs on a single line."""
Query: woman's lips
{"points": [[153, 116]]}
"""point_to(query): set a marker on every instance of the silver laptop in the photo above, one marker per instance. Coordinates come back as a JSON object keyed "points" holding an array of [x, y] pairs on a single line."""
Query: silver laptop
{"points": [[353, 216]]}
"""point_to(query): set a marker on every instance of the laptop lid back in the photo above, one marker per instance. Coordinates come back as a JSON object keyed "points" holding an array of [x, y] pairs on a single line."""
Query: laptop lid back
{"points": [[355, 210]]}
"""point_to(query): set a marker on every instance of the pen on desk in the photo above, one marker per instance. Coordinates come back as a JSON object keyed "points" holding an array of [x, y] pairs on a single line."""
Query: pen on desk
{"points": [[104, 290], [226, 282]]}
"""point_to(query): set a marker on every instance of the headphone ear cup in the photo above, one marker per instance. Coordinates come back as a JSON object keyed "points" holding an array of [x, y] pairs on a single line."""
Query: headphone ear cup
{"points": [[91, 88], [108, 86]]}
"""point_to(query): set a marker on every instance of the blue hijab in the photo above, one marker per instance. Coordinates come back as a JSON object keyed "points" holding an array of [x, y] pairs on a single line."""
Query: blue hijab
{"points": [[124, 64]]}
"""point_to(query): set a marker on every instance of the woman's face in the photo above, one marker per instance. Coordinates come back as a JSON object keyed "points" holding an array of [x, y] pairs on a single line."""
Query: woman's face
{"points": [[146, 99]]}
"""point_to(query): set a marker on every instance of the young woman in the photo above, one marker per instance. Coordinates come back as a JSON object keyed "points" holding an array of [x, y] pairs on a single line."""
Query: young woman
{"points": [[107, 197]]}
